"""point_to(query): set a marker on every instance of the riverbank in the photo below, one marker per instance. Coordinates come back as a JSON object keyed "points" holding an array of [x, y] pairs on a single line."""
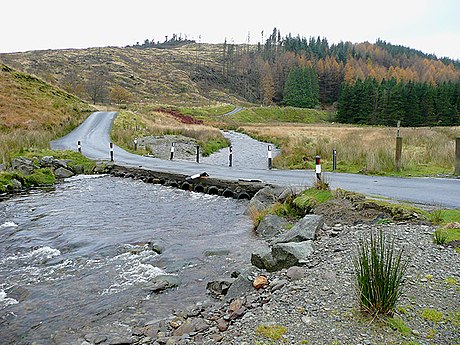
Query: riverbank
{"points": [[316, 303]]}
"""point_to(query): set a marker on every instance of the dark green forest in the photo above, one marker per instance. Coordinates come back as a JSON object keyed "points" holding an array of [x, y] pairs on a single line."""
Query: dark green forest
{"points": [[367, 83]]}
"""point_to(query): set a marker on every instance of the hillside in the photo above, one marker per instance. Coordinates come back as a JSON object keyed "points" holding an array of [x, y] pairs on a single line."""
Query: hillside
{"points": [[192, 73], [295, 71], [182, 75], [32, 112]]}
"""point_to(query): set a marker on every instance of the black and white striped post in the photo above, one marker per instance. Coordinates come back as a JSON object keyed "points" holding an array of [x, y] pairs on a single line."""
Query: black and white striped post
{"points": [[111, 152], [198, 153], [230, 156], [172, 151], [334, 159], [318, 168], [135, 144], [269, 155], [79, 146]]}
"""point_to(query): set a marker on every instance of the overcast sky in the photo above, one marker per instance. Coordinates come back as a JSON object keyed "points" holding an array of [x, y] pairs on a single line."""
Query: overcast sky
{"points": [[432, 26]]}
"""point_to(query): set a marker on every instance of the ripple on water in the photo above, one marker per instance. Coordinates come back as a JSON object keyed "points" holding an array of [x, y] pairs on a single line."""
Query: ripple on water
{"points": [[5, 300], [132, 268], [8, 225]]}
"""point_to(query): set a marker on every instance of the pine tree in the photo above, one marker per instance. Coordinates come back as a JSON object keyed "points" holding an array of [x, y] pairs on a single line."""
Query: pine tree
{"points": [[301, 88]]}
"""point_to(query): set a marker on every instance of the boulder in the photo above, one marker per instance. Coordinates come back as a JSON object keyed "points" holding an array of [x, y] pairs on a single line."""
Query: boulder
{"points": [[240, 287], [219, 287], [191, 326], [161, 283], [16, 185], [2, 167], [23, 165], [291, 254], [63, 173], [295, 273], [48, 162], [263, 259], [304, 230], [271, 225], [262, 200]]}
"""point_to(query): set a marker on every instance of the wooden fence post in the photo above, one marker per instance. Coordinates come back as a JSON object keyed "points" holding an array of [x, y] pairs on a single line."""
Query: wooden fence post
{"points": [[457, 156]]}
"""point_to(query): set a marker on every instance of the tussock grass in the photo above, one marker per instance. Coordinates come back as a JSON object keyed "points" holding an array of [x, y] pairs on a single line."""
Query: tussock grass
{"points": [[379, 270], [370, 150]]}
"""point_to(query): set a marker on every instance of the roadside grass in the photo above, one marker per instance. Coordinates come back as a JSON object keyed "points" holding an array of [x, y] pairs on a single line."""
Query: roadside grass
{"points": [[360, 149], [148, 122], [379, 269]]}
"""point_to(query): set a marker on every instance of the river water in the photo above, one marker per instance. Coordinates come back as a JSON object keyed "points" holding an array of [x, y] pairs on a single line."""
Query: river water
{"points": [[247, 152], [73, 260]]}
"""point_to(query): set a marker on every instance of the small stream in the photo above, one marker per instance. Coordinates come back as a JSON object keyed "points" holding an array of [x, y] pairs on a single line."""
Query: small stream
{"points": [[73, 260]]}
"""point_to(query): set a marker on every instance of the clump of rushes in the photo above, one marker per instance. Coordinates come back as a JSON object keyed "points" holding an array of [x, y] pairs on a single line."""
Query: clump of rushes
{"points": [[379, 272], [440, 237]]}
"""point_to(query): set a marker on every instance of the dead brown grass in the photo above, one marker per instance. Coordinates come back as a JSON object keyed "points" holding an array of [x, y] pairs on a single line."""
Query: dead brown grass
{"points": [[33, 112], [362, 149]]}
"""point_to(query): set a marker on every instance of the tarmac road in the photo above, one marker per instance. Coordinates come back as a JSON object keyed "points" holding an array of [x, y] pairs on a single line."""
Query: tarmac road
{"points": [[95, 138]]}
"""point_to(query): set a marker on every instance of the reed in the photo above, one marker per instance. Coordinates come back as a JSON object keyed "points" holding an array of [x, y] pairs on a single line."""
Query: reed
{"points": [[379, 270]]}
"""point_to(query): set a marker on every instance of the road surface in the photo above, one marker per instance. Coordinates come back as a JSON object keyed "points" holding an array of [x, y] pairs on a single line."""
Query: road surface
{"points": [[94, 135]]}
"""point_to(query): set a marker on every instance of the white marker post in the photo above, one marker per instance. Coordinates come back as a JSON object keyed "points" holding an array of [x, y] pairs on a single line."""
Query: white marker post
{"points": [[135, 144], [269, 154], [172, 152], [334, 159], [111, 152], [230, 156], [197, 153], [79, 146], [318, 168]]}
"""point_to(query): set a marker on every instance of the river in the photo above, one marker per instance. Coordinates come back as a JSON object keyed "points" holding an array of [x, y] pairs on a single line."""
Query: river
{"points": [[73, 259]]}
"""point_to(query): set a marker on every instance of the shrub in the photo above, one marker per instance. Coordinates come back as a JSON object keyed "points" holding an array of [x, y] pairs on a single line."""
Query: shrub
{"points": [[379, 272]]}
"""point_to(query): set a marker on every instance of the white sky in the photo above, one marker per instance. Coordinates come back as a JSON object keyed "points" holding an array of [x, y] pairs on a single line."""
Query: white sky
{"points": [[432, 26]]}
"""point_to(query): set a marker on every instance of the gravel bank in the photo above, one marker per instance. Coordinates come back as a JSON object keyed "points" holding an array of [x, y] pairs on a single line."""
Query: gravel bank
{"points": [[321, 308]]}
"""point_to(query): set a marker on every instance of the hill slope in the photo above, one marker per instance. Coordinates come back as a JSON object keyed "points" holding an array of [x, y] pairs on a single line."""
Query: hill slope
{"points": [[182, 75], [32, 112], [198, 74]]}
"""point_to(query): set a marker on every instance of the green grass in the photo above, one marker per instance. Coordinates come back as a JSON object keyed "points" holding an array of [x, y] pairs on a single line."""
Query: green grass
{"points": [[312, 197], [448, 221], [431, 314], [73, 158], [399, 325], [273, 332], [202, 112], [279, 114], [40, 177]]}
